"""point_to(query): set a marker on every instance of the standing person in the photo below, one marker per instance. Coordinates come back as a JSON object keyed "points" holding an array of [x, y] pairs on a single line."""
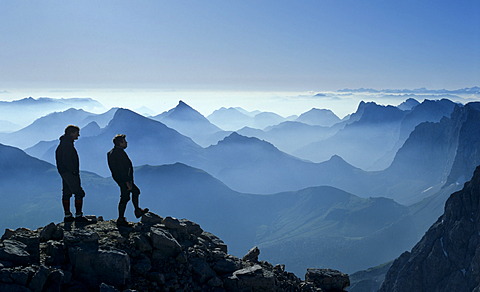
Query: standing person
{"points": [[68, 166], [122, 172]]}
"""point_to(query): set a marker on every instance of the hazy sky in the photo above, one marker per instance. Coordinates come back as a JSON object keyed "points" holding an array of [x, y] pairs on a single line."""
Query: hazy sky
{"points": [[243, 45]]}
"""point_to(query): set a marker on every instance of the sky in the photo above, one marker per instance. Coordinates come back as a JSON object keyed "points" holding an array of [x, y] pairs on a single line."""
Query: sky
{"points": [[219, 52]]}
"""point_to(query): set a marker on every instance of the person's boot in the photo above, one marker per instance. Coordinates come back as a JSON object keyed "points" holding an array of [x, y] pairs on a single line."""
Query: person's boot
{"points": [[139, 212], [68, 218], [79, 218], [122, 221], [66, 208]]}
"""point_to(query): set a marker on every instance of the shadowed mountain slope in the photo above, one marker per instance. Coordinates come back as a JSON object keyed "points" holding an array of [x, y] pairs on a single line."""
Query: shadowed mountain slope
{"points": [[281, 221], [447, 257], [255, 166]]}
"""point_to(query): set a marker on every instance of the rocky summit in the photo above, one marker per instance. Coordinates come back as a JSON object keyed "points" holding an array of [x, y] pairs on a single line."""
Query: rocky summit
{"points": [[447, 258], [156, 254]]}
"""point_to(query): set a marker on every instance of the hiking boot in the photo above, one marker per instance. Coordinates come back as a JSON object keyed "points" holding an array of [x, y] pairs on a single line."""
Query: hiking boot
{"points": [[82, 219], [123, 222], [140, 212], [68, 218]]}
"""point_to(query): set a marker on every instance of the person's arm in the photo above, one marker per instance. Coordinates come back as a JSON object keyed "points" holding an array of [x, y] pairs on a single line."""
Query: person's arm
{"points": [[118, 168], [68, 159]]}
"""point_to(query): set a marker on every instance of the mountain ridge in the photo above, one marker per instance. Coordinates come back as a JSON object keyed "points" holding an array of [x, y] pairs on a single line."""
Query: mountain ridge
{"points": [[446, 258]]}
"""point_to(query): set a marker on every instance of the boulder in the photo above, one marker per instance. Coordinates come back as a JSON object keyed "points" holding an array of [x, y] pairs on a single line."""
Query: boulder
{"points": [[328, 279], [14, 252], [213, 241], [142, 242], [164, 243], [83, 238], [202, 270], [151, 219], [254, 277], [39, 279], [192, 227], [252, 255], [55, 253], [225, 266], [32, 241], [51, 232], [112, 266]]}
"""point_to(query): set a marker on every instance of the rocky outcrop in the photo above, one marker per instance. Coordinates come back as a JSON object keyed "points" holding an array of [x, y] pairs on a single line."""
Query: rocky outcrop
{"points": [[156, 254], [447, 258]]}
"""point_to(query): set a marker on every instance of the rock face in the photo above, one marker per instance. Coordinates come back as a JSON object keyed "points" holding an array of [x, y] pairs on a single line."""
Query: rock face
{"points": [[156, 254], [447, 258]]}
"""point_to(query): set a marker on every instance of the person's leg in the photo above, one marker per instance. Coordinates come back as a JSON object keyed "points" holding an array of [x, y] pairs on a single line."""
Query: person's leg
{"points": [[78, 206], [139, 212], [77, 189], [74, 185], [122, 204], [135, 193], [66, 195]]}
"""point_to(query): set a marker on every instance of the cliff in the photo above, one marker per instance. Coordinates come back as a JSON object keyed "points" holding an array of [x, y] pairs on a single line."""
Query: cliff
{"points": [[447, 258], [156, 254]]}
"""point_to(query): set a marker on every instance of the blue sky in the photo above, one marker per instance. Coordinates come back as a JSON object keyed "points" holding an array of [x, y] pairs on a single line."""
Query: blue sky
{"points": [[240, 45]]}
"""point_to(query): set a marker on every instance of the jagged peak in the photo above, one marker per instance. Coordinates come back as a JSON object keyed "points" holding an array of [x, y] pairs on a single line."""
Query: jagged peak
{"points": [[182, 104], [450, 243]]}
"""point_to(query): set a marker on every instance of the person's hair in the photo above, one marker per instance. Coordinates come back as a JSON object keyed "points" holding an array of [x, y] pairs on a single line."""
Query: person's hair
{"points": [[118, 139], [70, 129]]}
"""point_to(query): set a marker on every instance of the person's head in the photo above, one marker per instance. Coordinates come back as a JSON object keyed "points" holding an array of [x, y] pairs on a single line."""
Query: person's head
{"points": [[72, 131], [120, 141]]}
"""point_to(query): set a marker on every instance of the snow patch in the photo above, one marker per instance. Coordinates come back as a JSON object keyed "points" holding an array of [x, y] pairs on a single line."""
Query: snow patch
{"points": [[426, 190], [443, 248]]}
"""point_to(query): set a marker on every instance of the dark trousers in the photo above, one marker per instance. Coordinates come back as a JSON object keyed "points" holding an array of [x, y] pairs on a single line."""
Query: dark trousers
{"points": [[125, 197], [125, 193], [71, 185]]}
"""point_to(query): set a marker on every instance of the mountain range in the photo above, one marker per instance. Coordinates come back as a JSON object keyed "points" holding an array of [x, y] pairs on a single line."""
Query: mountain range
{"points": [[232, 119], [24, 111], [255, 166], [375, 131], [52, 126], [279, 201]]}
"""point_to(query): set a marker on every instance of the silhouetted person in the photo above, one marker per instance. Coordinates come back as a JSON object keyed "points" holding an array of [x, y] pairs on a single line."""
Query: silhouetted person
{"points": [[69, 168], [122, 172]]}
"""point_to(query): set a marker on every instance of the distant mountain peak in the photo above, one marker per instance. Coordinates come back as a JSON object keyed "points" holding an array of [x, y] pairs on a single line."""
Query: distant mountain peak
{"points": [[124, 115], [337, 158], [408, 104], [182, 112], [235, 138], [182, 104], [320, 117]]}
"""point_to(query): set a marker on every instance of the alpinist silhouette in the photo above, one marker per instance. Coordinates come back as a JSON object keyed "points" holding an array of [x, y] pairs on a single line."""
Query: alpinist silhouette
{"points": [[69, 168], [122, 172]]}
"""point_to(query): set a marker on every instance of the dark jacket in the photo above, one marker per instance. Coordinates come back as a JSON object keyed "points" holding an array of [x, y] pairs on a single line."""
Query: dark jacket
{"points": [[66, 156], [120, 165]]}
